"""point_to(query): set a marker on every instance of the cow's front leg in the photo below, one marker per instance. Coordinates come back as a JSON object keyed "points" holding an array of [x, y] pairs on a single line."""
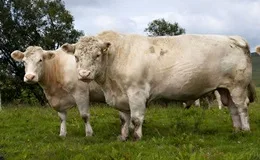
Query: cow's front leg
{"points": [[85, 115], [82, 101], [125, 121], [63, 129], [137, 99]]}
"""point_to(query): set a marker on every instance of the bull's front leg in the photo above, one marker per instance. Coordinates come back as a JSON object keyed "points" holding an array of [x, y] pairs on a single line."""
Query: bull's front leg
{"points": [[63, 129], [137, 99]]}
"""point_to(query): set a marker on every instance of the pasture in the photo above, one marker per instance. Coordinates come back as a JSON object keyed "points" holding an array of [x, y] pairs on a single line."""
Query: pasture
{"points": [[31, 132]]}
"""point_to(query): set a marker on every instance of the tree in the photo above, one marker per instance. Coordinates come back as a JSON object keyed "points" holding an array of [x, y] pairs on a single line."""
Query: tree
{"points": [[160, 27], [23, 23]]}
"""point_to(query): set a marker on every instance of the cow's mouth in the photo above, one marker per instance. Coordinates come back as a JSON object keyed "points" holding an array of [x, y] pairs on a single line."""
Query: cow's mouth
{"points": [[30, 82]]}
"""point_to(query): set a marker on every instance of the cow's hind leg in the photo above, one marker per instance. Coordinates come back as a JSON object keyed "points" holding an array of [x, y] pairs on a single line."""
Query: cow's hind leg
{"points": [[63, 117], [137, 101], [82, 101], [125, 121]]}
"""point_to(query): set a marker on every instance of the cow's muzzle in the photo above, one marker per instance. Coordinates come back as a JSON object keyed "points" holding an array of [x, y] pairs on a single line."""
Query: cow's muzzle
{"points": [[30, 78]]}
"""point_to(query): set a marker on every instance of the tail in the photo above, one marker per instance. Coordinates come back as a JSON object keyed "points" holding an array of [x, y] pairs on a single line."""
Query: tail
{"points": [[257, 49], [251, 92]]}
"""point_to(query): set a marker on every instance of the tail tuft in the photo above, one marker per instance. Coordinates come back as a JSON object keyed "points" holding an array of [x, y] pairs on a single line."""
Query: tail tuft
{"points": [[251, 92]]}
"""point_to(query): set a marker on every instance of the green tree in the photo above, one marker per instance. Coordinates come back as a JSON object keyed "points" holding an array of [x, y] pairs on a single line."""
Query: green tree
{"points": [[23, 23], [160, 27]]}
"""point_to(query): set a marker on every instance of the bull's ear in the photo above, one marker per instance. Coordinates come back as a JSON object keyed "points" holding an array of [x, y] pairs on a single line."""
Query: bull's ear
{"points": [[47, 55], [17, 55], [105, 46], [69, 48]]}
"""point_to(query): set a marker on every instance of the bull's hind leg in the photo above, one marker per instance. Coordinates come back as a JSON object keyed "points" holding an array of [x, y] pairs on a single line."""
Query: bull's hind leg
{"points": [[226, 99], [63, 129], [137, 100], [125, 121], [239, 97]]}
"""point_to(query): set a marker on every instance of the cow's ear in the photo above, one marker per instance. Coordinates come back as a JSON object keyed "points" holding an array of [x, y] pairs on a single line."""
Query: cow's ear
{"points": [[17, 55], [105, 46], [68, 48], [47, 55]]}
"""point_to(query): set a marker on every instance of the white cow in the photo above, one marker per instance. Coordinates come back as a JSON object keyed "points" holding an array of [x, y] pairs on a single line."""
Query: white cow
{"points": [[56, 73], [134, 69]]}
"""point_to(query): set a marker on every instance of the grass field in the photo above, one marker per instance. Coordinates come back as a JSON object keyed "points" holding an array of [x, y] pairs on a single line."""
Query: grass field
{"points": [[169, 133]]}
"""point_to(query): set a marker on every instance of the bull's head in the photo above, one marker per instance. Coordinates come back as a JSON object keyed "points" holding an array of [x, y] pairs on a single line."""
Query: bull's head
{"points": [[89, 54]]}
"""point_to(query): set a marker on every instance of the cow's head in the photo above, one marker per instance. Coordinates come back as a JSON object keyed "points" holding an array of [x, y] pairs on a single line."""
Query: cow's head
{"points": [[89, 54], [33, 59]]}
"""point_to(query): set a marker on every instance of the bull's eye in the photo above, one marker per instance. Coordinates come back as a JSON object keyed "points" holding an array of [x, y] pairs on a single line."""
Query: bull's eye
{"points": [[76, 58], [40, 60]]}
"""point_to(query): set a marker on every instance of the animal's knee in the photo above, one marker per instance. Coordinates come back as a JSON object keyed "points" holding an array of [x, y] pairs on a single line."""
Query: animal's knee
{"points": [[85, 117], [136, 121]]}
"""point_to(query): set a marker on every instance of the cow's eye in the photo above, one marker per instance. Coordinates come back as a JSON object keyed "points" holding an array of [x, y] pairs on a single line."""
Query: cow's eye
{"points": [[40, 60], [76, 58]]}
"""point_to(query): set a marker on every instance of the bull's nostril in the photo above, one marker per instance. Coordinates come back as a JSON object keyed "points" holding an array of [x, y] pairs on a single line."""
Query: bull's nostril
{"points": [[87, 73]]}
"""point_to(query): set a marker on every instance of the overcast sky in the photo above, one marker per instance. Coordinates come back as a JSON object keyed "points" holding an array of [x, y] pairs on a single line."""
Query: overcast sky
{"points": [[228, 17]]}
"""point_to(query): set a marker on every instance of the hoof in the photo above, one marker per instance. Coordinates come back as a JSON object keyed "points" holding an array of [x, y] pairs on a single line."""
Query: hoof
{"points": [[89, 134], [121, 138], [136, 137], [62, 135], [246, 129]]}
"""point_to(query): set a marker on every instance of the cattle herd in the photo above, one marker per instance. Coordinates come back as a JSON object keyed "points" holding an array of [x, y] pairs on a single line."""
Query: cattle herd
{"points": [[127, 71]]}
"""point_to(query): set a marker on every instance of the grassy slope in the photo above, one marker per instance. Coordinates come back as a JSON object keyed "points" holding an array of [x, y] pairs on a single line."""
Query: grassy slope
{"points": [[169, 133]]}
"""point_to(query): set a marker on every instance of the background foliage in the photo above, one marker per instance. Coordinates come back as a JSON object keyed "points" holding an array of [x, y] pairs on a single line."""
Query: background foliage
{"points": [[161, 27], [23, 23]]}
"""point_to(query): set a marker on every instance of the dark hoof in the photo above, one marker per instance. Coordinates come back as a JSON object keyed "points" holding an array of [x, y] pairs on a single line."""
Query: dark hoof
{"points": [[121, 138]]}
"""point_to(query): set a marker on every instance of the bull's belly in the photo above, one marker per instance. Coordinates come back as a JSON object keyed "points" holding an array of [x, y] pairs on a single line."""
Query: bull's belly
{"points": [[180, 92]]}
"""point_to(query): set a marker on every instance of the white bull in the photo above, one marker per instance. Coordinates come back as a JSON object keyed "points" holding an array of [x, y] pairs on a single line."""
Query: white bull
{"points": [[134, 69]]}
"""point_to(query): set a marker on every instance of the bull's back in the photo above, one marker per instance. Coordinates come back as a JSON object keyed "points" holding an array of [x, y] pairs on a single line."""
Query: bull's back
{"points": [[183, 67]]}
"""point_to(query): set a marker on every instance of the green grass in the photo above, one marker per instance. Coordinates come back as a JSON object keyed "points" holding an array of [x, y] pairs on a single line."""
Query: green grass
{"points": [[169, 133]]}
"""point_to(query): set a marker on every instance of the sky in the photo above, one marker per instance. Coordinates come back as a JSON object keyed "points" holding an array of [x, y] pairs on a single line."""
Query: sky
{"points": [[226, 17]]}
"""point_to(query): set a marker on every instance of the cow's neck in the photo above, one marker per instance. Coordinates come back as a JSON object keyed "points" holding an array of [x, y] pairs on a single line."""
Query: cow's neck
{"points": [[52, 75]]}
